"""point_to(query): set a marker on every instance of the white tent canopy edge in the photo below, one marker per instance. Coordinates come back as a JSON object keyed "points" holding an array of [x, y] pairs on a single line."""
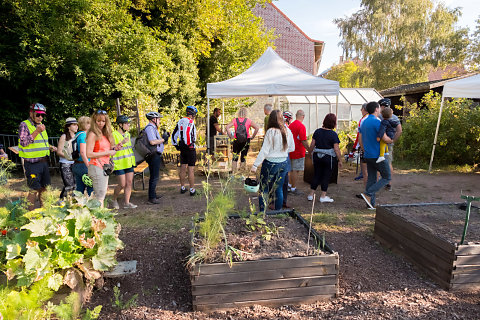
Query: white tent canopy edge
{"points": [[270, 75], [462, 88]]}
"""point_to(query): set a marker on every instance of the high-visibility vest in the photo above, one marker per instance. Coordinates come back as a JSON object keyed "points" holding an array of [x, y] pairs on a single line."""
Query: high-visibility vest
{"points": [[124, 158], [38, 148]]}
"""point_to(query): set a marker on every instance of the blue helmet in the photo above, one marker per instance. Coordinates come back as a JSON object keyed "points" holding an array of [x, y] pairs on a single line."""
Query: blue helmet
{"points": [[192, 110], [385, 102]]}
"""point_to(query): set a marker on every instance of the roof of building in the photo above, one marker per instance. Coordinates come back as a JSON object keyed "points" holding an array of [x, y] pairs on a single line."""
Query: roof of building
{"points": [[418, 87]]}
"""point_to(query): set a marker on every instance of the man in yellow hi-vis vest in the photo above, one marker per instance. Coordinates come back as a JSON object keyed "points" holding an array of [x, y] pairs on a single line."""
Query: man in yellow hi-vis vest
{"points": [[34, 149], [124, 161]]}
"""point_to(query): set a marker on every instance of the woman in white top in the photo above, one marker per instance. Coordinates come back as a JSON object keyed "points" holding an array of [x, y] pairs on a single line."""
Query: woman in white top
{"points": [[64, 152], [277, 144]]}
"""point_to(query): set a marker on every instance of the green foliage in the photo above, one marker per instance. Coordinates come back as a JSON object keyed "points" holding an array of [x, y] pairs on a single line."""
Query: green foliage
{"points": [[458, 137], [118, 302], [350, 75], [474, 49], [53, 239], [401, 40], [343, 135]]}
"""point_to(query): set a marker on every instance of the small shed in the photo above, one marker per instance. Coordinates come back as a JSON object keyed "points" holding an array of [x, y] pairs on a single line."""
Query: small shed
{"points": [[316, 108]]}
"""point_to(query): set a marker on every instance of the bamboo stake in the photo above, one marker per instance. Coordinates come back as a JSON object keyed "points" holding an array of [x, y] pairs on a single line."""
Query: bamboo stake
{"points": [[310, 226]]}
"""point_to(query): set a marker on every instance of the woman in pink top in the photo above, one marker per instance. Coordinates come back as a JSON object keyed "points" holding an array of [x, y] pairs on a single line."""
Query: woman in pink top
{"points": [[100, 147], [242, 137]]}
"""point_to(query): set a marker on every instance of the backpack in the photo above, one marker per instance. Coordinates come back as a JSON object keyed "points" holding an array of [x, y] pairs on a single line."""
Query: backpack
{"points": [[241, 133], [70, 149], [143, 146]]}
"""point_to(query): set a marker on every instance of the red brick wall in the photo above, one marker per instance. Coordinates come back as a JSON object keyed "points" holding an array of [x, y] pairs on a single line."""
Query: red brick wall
{"points": [[291, 44]]}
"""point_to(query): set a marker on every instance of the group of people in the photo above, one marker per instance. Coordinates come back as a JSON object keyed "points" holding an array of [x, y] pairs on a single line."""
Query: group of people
{"points": [[90, 150]]}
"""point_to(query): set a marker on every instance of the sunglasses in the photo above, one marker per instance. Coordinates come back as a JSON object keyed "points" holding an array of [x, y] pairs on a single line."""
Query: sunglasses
{"points": [[38, 115], [101, 112]]}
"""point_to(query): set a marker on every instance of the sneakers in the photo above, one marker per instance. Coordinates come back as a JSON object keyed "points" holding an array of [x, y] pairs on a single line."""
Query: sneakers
{"points": [[183, 190], [153, 201], [309, 198], [364, 196], [192, 192], [359, 177], [129, 206], [388, 187], [380, 159], [326, 199], [359, 196], [115, 204]]}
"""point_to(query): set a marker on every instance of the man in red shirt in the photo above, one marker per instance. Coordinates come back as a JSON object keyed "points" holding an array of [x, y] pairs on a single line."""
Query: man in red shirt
{"points": [[297, 157]]}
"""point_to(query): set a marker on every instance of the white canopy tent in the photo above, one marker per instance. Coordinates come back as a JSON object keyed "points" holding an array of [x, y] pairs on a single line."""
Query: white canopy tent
{"points": [[347, 109], [462, 88], [270, 75]]}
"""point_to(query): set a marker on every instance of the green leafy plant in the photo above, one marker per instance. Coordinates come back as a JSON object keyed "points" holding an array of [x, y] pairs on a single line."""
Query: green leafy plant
{"points": [[118, 301], [55, 241]]}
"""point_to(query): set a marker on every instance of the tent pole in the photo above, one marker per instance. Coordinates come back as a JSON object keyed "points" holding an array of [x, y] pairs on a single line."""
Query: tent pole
{"points": [[223, 113], [336, 106], [436, 136], [316, 111]]}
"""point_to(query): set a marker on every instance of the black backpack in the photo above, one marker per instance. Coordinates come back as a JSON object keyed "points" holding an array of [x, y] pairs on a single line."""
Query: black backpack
{"points": [[75, 155], [241, 133], [143, 146]]}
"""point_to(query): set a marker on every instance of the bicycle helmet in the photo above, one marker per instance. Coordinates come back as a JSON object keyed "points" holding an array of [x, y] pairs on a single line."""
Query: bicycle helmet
{"points": [[385, 102], [122, 119], [251, 185], [153, 114], [87, 180], [38, 108], [287, 115], [191, 110]]}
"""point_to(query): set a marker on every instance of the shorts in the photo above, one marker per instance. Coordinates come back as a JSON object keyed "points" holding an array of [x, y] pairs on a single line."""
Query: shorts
{"points": [[298, 164], [389, 155], [188, 157], [362, 157], [240, 149], [38, 175], [121, 172]]}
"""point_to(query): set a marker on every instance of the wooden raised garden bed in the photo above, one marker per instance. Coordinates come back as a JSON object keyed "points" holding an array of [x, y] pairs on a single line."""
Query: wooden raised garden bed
{"points": [[271, 282], [434, 249]]}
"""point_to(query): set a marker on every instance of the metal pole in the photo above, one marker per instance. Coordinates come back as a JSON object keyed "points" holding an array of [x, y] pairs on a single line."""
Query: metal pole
{"points": [[316, 111], [208, 125], [223, 114], [436, 136]]}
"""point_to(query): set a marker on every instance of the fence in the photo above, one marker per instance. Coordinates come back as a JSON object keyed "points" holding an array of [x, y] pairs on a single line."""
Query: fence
{"points": [[11, 140]]}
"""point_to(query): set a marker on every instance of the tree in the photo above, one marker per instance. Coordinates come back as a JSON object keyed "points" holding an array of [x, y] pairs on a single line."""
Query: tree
{"points": [[400, 40], [474, 48], [350, 75]]}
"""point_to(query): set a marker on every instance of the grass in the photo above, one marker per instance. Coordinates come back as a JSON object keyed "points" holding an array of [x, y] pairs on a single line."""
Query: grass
{"points": [[343, 221], [423, 167], [164, 223]]}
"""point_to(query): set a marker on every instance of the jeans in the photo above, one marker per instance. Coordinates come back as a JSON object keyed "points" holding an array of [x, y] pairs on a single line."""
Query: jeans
{"points": [[272, 176], [154, 167], [372, 184], [79, 169]]}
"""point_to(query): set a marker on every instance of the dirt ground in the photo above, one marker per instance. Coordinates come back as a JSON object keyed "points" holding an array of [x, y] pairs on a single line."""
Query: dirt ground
{"points": [[374, 283]]}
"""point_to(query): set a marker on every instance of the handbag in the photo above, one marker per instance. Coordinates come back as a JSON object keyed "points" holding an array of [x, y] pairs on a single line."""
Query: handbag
{"points": [[108, 168]]}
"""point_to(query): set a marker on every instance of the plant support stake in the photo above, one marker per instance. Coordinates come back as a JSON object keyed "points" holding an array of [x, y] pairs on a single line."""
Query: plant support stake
{"points": [[310, 225], [469, 200]]}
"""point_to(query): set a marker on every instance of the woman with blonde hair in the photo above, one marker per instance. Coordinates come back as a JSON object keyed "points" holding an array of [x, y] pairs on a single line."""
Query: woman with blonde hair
{"points": [[100, 147], [80, 167], [242, 137], [277, 144]]}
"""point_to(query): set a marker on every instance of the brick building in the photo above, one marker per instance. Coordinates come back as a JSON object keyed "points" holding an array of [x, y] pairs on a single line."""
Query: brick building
{"points": [[292, 44]]}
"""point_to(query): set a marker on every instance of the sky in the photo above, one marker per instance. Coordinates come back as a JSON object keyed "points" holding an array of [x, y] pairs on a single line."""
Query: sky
{"points": [[315, 18]]}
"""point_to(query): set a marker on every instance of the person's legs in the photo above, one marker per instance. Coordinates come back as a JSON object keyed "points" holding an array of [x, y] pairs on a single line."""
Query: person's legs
{"points": [[316, 176], [325, 168], [280, 174], [99, 181], [182, 174], [154, 168], [373, 185], [62, 167], [119, 187], [128, 186], [268, 177], [191, 176], [285, 189]]}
